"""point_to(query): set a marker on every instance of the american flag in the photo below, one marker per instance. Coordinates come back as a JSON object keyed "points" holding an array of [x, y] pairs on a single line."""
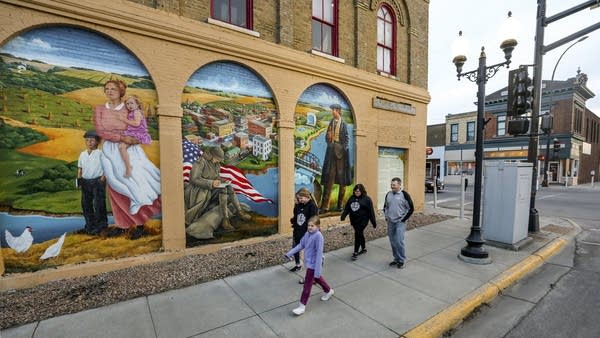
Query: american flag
{"points": [[240, 183]]}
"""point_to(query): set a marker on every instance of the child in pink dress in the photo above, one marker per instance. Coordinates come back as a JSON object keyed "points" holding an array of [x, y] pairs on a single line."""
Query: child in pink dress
{"points": [[136, 128]]}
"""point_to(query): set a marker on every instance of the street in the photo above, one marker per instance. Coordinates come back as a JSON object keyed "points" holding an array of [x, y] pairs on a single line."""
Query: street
{"points": [[559, 299]]}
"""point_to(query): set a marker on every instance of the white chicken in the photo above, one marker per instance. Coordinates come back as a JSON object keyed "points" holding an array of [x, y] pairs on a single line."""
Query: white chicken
{"points": [[54, 249], [21, 243]]}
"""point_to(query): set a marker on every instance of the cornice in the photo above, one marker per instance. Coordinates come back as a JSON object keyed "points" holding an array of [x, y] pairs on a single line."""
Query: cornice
{"points": [[131, 17]]}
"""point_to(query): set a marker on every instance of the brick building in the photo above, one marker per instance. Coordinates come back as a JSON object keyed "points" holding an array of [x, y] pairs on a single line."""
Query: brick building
{"points": [[288, 44], [574, 125]]}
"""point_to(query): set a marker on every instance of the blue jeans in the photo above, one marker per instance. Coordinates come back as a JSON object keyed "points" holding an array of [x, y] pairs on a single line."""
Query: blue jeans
{"points": [[396, 236]]}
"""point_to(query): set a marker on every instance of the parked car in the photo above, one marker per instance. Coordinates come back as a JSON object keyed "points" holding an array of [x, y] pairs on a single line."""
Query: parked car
{"points": [[429, 184]]}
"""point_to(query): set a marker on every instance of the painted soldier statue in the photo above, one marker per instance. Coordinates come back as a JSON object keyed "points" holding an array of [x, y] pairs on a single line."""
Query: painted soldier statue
{"points": [[209, 202]]}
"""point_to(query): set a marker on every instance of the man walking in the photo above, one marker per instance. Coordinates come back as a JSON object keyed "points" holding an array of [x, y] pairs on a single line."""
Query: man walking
{"points": [[398, 208]]}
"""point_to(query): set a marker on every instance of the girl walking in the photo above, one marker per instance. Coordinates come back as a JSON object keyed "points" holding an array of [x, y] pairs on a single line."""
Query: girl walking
{"points": [[304, 209], [312, 243], [360, 209]]}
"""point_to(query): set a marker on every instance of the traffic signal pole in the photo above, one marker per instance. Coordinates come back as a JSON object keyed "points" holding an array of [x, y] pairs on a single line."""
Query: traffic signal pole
{"points": [[532, 149], [540, 50]]}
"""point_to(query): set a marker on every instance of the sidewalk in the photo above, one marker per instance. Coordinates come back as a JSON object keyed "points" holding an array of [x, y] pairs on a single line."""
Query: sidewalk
{"points": [[430, 295]]}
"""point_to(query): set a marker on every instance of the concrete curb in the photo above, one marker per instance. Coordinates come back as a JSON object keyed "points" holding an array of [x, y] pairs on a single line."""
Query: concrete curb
{"points": [[451, 316]]}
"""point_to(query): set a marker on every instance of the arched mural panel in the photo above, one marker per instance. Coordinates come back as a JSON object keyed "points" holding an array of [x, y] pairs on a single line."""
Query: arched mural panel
{"points": [[55, 106], [324, 146], [230, 147]]}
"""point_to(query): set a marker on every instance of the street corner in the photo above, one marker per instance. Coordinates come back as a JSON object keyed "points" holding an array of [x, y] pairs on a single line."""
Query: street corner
{"points": [[557, 227]]}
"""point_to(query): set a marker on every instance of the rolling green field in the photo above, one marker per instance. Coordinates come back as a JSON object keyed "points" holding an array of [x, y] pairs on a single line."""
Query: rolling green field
{"points": [[37, 107], [13, 188], [94, 76]]}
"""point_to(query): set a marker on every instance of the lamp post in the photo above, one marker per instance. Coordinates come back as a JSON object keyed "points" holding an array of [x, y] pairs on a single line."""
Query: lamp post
{"points": [[474, 252], [548, 131]]}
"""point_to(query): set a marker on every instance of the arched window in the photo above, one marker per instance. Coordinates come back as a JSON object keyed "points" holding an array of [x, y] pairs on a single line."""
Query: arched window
{"points": [[235, 12], [325, 26], [386, 40]]}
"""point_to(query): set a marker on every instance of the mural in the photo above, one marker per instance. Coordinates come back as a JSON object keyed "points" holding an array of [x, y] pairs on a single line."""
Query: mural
{"points": [[324, 146], [79, 177], [230, 169]]}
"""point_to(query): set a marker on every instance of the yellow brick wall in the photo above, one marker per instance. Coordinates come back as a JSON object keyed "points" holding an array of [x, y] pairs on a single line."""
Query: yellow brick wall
{"points": [[288, 22], [173, 46]]}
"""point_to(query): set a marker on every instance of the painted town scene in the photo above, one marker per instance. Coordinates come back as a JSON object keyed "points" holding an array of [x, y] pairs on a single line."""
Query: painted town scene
{"points": [[79, 177], [324, 147], [230, 147]]}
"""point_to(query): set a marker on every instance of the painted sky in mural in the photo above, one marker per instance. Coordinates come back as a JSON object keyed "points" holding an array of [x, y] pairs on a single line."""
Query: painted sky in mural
{"points": [[229, 77], [324, 96], [73, 47]]}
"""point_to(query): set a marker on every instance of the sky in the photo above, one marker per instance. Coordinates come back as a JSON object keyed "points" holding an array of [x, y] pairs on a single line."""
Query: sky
{"points": [[74, 47], [479, 21]]}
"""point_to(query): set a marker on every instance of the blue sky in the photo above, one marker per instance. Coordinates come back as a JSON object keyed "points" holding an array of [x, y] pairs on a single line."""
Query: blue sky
{"points": [[324, 96], [229, 77], [74, 47], [479, 20]]}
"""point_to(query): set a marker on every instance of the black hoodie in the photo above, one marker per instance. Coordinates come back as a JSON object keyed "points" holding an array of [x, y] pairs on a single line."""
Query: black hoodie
{"points": [[360, 210]]}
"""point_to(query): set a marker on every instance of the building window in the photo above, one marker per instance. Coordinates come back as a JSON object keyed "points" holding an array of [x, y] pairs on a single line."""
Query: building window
{"points": [[454, 132], [470, 131], [235, 12], [577, 120], [501, 125], [386, 38], [324, 26]]}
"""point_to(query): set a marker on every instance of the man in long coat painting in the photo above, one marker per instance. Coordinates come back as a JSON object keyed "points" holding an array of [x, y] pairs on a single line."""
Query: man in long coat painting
{"points": [[336, 164]]}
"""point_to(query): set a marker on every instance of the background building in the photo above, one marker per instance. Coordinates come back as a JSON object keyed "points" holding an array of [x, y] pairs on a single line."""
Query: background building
{"points": [[436, 140], [575, 127], [460, 146]]}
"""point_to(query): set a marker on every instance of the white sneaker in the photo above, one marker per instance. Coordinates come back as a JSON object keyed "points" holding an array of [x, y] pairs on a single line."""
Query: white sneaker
{"points": [[299, 310], [327, 295]]}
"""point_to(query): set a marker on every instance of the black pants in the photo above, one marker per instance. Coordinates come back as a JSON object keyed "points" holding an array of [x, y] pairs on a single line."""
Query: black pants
{"points": [[298, 234], [359, 236], [93, 204]]}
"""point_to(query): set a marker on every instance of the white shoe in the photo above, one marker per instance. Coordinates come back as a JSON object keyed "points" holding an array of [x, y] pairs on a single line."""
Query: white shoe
{"points": [[299, 310], [327, 295]]}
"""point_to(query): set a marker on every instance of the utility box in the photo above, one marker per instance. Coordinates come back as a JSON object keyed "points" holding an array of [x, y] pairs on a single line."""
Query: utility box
{"points": [[506, 195]]}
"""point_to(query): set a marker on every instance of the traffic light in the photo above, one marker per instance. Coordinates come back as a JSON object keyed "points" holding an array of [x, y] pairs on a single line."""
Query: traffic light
{"points": [[556, 144], [519, 92], [518, 126]]}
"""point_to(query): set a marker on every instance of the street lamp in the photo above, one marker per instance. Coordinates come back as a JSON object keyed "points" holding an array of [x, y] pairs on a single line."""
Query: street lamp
{"points": [[474, 252], [563, 53], [547, 131]]}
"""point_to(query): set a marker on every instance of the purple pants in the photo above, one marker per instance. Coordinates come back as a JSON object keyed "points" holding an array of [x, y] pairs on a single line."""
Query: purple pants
{"points": [[308, 282]]}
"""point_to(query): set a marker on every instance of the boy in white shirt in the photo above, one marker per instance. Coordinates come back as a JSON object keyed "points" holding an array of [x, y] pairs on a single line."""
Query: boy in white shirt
{"points": [[91, 181]]}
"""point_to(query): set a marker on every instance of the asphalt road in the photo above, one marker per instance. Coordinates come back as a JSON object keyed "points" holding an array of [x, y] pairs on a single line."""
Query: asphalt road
{"points": [[561, 298]]}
